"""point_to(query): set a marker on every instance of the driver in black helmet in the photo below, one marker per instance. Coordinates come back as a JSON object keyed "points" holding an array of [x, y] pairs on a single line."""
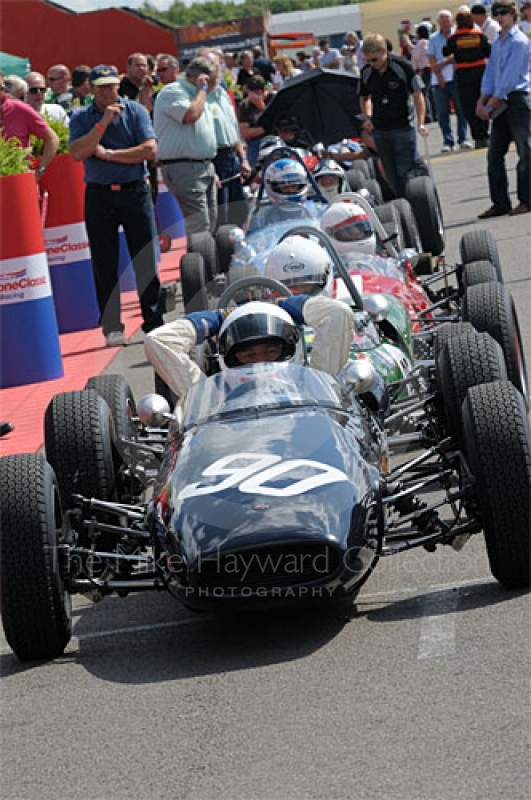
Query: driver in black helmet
{"points": [[252, 333]]}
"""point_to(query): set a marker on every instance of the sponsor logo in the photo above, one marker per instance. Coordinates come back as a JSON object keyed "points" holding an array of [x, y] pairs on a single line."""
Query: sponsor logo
{"points": [[19, 281], [58, 240], [293, 266], [66, 247], [10, 276]]}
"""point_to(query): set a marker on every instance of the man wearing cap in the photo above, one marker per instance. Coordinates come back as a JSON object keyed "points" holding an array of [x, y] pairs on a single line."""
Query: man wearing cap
{"points": [[185, 129], [114, 137]]}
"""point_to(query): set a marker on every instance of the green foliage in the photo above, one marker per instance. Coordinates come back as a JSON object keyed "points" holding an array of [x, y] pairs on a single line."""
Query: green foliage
{"points": [[62, 132], [13, 157], [215, 11]]}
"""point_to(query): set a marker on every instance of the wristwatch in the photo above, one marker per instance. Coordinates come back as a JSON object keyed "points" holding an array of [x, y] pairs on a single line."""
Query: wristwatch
{"points": [[40, 171], [204, 86]]}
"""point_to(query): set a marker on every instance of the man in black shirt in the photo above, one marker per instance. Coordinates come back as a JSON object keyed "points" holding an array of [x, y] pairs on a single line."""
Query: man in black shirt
{"points": [[390, 94]]}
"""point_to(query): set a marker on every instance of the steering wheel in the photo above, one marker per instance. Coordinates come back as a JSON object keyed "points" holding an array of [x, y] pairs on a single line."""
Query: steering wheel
{"points": [[254, 280]]}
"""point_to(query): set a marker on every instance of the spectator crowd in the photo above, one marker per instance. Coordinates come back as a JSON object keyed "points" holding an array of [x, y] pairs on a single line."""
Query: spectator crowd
{"points": [[199, 122]]}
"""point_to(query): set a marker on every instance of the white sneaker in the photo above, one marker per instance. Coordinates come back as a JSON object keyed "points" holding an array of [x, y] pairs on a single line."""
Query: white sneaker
{"points": [[466, 146], [446, 148], [115, 339]]}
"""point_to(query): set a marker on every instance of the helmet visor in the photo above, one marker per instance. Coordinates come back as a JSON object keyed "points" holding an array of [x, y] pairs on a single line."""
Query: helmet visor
{"points": [[352, 230], [294, 187]]}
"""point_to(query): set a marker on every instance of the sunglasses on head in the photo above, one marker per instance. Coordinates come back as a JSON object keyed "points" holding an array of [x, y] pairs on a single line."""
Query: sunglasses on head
{"points": [[501, 12], [36, 89]]}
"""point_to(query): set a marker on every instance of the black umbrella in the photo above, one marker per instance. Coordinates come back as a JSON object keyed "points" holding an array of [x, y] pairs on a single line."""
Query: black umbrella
{"points": [[324, 101]]}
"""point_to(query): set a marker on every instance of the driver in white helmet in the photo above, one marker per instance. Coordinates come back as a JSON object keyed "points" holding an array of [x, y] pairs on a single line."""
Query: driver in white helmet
{"points": [[302, 265], [252, 333], [286, 185], [352, 233], [330, 177]]}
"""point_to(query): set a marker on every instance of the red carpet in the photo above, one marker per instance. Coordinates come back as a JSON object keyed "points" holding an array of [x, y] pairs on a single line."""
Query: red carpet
{"points": [[84, 354]]}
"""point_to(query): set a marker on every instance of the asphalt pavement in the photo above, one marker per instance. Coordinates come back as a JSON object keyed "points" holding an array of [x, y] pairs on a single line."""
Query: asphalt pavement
{"points": [[423, 695]]}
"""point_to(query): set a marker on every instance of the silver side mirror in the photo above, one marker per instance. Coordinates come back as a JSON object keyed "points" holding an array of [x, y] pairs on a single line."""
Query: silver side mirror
{"points": [[153, 410], [358, 376], [377, 306]]}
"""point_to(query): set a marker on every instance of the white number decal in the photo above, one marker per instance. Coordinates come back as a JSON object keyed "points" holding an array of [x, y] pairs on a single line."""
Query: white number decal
{"points": [[236, 474], [253, 477], [326, 474]]}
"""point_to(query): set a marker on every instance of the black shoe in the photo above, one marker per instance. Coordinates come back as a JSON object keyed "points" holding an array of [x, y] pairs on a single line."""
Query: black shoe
{"points": [[5, 428], [481, 144], [493, 212]]}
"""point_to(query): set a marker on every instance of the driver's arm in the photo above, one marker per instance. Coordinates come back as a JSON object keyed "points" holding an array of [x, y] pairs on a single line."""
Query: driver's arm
{"points": [[167, 350], [333, 323]]}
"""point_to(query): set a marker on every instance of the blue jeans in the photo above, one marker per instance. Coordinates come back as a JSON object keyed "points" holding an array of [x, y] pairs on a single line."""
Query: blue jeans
{"points": [[132, 208], [398, 150], [442, 96], [511, 126]]}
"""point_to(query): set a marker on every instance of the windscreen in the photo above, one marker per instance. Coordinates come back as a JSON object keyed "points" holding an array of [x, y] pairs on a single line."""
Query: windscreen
{"points": [[260, 386]]}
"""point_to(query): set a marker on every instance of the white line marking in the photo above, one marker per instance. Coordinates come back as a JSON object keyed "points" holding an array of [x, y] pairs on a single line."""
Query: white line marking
{"points": [[437, 630]]}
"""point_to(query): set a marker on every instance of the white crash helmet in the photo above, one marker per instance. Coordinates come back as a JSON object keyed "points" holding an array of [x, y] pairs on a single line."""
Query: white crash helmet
{"points": [[297, 262], [327, 168], [286, 181], [256, 323], [350, 228]]}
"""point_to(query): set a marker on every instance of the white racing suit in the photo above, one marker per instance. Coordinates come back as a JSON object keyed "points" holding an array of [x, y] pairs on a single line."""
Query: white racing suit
{"points": [[168, 347]]}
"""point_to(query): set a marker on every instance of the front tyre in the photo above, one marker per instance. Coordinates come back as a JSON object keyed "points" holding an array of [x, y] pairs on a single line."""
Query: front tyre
{"points": [[498, 444], [36, 609]]}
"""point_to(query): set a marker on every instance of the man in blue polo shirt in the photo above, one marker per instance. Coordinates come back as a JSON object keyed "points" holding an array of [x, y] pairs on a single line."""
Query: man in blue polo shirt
{"points": [[114, 138]]}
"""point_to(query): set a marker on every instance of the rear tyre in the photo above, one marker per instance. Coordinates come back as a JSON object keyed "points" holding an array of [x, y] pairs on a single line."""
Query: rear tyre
{"points": [[225, 247], [447, 331], [357, 175], [79, 433], [411, 234], [36, 609], [193, 283], [499, 450], [490, 308], [390, 219], [204, 245], [478, 272], [467, 361], [424, 201], [373, 187], [480, 246], [119, 397]]}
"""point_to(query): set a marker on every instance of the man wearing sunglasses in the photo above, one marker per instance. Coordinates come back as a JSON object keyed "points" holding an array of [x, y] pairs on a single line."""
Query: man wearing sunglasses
{"points": [[35, 98], [505, 99], [19, 121], [59, 90], [390, 97]]}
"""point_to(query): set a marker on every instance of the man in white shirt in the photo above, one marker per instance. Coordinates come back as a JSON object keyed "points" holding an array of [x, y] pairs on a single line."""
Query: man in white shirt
{"points": [[35, 98], [488, 25]]}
